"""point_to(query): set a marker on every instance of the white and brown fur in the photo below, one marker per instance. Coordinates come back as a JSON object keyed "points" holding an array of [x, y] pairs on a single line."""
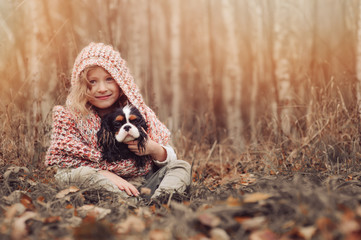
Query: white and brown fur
{"points": [[123, 125]]}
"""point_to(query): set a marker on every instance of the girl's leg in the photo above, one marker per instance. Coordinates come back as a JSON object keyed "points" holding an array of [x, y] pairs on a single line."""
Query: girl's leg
{"points": [[87, 177], [174, 177]]}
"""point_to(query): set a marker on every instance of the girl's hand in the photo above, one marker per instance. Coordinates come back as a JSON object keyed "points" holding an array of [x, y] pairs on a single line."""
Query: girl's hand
{"points": [[120, 183], [151, 148]]}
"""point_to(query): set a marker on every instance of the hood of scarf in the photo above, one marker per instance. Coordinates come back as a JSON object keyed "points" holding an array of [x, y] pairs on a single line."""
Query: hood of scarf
{"points": [[99, 54]]}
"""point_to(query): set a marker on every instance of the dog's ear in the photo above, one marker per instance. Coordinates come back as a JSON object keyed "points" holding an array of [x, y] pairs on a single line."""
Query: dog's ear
{"points": [[142, 139], [106, 137]]}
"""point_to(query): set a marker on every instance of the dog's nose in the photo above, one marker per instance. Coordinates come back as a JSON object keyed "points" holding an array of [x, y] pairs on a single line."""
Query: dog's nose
{"points": [[126, 128]]}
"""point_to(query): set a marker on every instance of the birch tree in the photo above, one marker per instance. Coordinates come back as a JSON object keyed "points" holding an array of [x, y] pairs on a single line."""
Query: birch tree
{"points": [[175, 62], [358, 61], [232, 78], [282, 46]]}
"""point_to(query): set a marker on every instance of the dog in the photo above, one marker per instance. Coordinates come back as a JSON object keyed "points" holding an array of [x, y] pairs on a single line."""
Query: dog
{"points": [[123, 125]]}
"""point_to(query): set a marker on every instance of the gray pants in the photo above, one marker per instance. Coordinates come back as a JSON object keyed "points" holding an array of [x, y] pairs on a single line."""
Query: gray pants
{"points": [[173, 177]]}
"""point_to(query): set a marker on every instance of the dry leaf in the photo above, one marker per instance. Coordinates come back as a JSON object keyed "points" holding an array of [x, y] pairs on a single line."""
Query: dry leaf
{"points": [[15, 170], [92, 211], [263, 235], [40, 199], [255, 197], [13, 197], [247, 178], [219, 234], [69, 206], [52, 219], [240, 220], [131, 224], [307, 232], [209, 219], [349, 226], [157, 234], [65, 192], [13, 210], [27, 202], [254, 223], [31, 182], [19, 230], [233, 202]]}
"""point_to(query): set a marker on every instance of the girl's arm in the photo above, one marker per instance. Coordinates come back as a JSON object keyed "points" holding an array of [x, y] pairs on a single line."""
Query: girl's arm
{"points": [[122, 184], [67, 145], [161, 154]]}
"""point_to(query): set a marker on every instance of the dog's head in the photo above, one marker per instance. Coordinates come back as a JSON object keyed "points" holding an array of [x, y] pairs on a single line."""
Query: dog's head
{"points": [[123, 125]]}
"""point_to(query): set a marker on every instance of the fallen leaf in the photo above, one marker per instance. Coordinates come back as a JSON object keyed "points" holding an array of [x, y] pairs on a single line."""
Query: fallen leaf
{"points": [[13, 197], [13, 210], [254, 223], [92, 211], [349, 226], [27, 202], [31, 182], [209, 220], [40, 199], [19, 230], [66, 191], [15, 170], [131, 224], [307, 232], [255, 197], [219, 234], [233, 202], [69, 206], [247, 178], [157, 234], [263, 235], [241, 219], [52, 219]]}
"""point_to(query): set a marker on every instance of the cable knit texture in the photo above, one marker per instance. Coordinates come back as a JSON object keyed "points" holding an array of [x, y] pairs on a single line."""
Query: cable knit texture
{"points": [[74, 139]]}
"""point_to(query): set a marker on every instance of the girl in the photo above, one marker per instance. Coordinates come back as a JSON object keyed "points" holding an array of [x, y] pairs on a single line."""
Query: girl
{"points": [[100, 83]]}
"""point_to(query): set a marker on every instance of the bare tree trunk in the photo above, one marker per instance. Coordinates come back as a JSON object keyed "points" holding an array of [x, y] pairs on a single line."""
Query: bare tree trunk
{"points": [[208, 65], [281, 56], [158, 59], [232, 78], [313, 62], [257, 65], [358, 62], [175, 62], [137, 39], [35, 47]]}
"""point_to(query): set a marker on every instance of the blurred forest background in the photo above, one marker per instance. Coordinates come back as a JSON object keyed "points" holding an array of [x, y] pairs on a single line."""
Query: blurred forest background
{"points": [[270, 76]]}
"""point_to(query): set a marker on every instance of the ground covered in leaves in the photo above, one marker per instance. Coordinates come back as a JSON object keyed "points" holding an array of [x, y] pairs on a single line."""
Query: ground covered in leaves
{"points": [[246, 206]]}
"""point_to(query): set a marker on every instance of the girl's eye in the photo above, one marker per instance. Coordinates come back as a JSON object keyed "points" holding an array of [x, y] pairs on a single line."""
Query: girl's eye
{"points": [[110, 79], [92, 82]]}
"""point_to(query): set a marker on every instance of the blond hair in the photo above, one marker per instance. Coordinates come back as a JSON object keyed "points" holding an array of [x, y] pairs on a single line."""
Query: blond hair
{"points": [[78, 98]]}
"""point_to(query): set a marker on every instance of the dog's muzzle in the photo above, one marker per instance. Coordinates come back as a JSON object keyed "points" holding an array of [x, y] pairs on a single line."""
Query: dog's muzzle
{"points": [[127, 133]]}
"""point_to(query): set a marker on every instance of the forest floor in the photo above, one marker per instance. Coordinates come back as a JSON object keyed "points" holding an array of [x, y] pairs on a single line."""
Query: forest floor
{"points": [[242, 206]]}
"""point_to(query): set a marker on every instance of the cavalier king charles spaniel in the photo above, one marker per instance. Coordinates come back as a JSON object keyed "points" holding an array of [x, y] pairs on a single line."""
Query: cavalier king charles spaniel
{"points": [[123, 125]]}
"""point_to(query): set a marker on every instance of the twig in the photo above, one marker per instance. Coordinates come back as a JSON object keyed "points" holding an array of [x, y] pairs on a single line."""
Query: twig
{"points": [[211, 151]]}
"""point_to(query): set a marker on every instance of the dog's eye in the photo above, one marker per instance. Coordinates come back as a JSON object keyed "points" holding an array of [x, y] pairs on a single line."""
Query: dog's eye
{"points": [[132, 117], [119, 118]]}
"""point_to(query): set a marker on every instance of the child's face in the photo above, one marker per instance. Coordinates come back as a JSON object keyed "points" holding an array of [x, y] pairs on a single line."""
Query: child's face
{"points": [[104, 91]]}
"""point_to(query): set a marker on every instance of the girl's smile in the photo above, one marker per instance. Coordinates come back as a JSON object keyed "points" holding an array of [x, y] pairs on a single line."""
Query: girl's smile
{"points": [[103, 90], [103, 97]]}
